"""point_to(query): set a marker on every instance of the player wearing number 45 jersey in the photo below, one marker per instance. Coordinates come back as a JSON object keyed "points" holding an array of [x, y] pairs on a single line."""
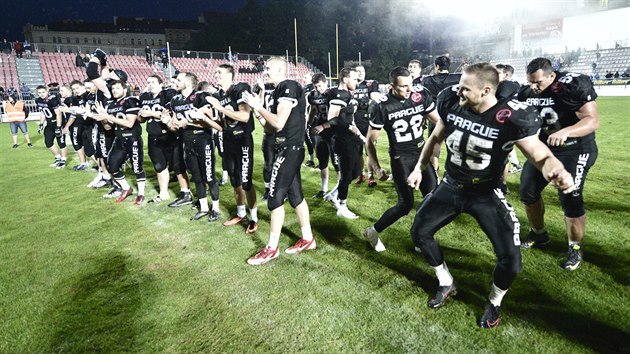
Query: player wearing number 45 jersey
{"points": [[479, 133], [566, 103], [401, 113]]}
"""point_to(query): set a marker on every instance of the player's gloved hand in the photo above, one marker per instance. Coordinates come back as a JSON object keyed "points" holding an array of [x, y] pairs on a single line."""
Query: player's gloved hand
{"points": [[40, 129], [58, 132]]}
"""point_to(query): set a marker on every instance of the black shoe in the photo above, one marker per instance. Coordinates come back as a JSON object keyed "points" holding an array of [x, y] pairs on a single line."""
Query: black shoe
{"points": [[534, 240], [575, 257], [213, 216], [185, 198], [15, 146], [319, 195], [491, 317], [443, 293], [195, 205], [199, 215], [265, 195], [504, 189], [30, 145], [310, 163], [101, 55]]}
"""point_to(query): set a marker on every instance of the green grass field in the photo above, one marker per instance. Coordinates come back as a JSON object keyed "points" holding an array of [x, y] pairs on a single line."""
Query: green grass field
{"points": [[83, 274]]}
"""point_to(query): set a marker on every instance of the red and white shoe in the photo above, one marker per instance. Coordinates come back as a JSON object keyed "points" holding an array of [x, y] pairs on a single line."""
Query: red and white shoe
{"points": [[263, 256], [360, 180], [235, 220], [301, 245], [252, 227], [139, 200], [125, 193]]}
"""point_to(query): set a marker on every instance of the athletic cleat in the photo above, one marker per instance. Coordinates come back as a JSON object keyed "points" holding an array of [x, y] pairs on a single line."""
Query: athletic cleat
{"points": [[371, 182], [235, 220], [158, 199], [15, 146], [443, 293], [213, 216], [360, 180], [61, 164], [534, 240], [491, 317], [223, 181], [200, 214], [185, 198], [516, 169], [332, 198], [81, 167], [195, 205], [124, 194], [263, 256], [301, 245], [344, 212], [374, 240], [139, 200], [310, 164], [575, 257], [319, 195], [102, 183], [30, 145], [265, 195], [55, 164], [114, 193], [252, 227]]}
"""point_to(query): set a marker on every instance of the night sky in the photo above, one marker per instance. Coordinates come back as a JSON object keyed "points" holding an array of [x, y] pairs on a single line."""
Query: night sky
{"points": [[15, 14]]}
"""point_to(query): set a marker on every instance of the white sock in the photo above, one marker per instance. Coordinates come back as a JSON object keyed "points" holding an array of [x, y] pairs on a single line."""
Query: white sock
{"points": [[141, 187], [267, 184], [325, 184], [185, 190], [571, 243], [274, 239], [203, 204], [253, 214], [343, 202], [215, 205], [539, 231], [123, 183], [444, 276], [496, 295], [372, 231], [307, 233], [57, 157], [224, 175], [240, 211]]}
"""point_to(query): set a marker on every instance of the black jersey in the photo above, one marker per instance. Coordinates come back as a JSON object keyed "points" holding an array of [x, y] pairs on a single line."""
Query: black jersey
{"points": [[319, 106], [507, 88], [231, 99], [156, 103], [362, 93], [403, 120], [348, 104], [558, 105], [438, 82], [47, 107], [416, 84], [308, 88], [69, 102], [478, 144], [119, 109], [182, 106], [294, 129], [267, 95]]}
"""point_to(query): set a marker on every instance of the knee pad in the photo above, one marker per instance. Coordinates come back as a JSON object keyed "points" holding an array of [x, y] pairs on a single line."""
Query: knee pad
{"points": [[159, 167], [295, 200], [92, 71], [275, 201]]}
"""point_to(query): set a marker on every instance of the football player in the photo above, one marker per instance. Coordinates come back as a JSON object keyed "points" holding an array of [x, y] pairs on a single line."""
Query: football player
{"points": [[566, 102], [365, 92], [415, 68], [402, 115], [320, 131], [436, 83], [122, 113], [479, 132], [80, 130], [164, 145], [286, 117], [49, 107], [238, 153], [193, 116], [265, 92]]}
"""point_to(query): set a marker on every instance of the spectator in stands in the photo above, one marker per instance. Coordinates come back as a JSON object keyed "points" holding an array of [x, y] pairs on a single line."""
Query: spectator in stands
{"points": [[78, 60], [16, 115], [147, 55], [165, 60], [609, 75], [19, 48], [27, 49], [594, 65], [26, 92], [5, 47], [616, 76], [2, 98]]}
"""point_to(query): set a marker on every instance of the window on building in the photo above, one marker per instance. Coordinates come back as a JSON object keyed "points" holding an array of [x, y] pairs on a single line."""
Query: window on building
{"points": [[99, 40], [93, 40], [153, 42], [132, 41], [85, 40], [68, 40], [139, 41], [58, 39], [54, 40], [124, 41], [41, 39], [160, 42], [76, 40]]}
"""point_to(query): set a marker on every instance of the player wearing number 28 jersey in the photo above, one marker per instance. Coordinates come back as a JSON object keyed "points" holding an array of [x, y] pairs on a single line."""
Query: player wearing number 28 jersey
{"points": [[479, 132]]}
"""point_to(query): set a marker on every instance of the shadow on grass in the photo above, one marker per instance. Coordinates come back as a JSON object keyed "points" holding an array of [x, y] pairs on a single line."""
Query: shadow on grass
{"points": [[98, 312]]}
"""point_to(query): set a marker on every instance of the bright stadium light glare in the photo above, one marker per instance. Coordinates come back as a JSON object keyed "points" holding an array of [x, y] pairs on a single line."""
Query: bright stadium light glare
{"points": [[470, 10]]}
